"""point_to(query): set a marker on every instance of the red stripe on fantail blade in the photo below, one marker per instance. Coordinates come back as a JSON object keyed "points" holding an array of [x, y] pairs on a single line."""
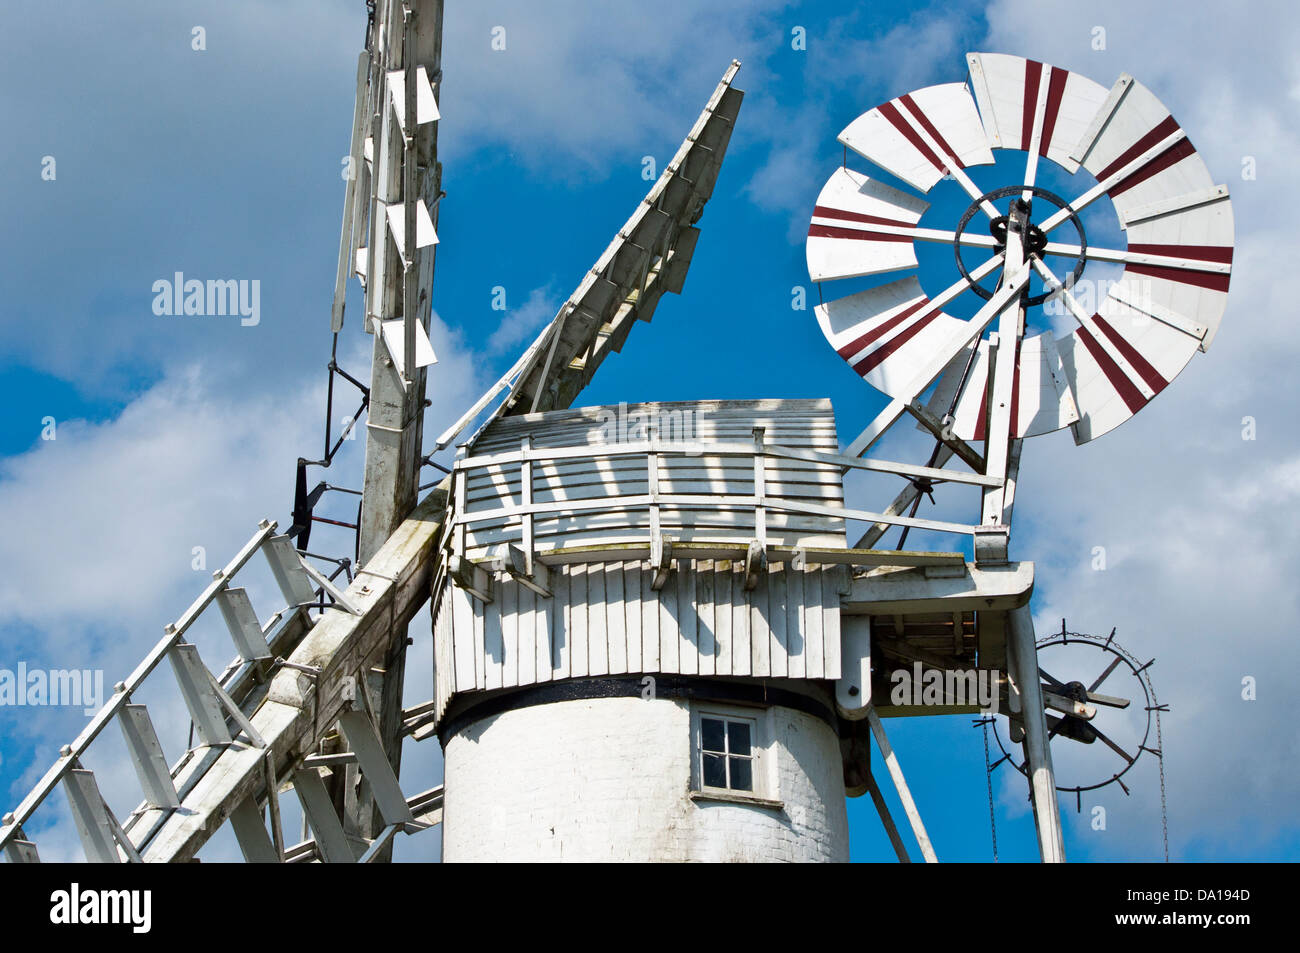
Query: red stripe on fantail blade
{"points": [[930, 128], [855, 347], [1055, 92], [890, 112], [1222, 254], [1127, 390], [1033, 76], [1210, 280]]}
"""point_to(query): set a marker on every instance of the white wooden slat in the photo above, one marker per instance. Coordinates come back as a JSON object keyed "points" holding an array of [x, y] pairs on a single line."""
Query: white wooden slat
{"points": [[562, 621], [250, 831], [742, 628], [527, 634], [442, 650], [19, 851], [706, 617], [426, 106], [722, 617], [286, 566], [814, 624], [481, 611], [463, 638], [578, 658], [632, 614], [363, 739], [241, 620], [616, 619], [90, 816], [196, 688], [147, 757], [331, 842], [669, 635], [777, 595], [831, 638], [688, 660], [543, 616], [649, 621], [796, 634], [493, 647], [509, 600], [760, 631], [597, 622]]}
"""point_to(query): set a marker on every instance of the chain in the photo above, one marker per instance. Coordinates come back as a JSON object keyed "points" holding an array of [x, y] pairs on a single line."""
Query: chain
{"points": [[1164, 807], [988, 778]]}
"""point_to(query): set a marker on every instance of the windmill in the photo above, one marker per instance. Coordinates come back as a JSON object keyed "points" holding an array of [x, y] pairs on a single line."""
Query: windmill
{"points": [[651, 639]]}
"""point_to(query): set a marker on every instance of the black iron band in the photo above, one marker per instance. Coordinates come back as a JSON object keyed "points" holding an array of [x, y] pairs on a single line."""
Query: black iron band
{"points": [[630, 686]]}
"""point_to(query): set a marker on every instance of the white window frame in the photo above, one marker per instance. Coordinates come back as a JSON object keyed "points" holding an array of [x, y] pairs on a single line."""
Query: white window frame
{"points": [[762, 749]]}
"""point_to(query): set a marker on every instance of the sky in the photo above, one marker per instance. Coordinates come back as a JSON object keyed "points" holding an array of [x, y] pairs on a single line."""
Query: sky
{"points": [[174, 435]]}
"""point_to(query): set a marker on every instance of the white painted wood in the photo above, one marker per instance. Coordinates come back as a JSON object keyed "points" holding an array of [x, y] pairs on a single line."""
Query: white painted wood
{"points": [[463, 638], [147, 757], [250, 831], [392, 331], [196, 688], [90, 815], [650, 658], [510, 623], [853, 688], [598, 630], [363, 738], [615, 620], [832, 578], [425, 235], [579, 599], [900, 783], [333, 844], [426, 106], [241, 620], [1178, 203]]}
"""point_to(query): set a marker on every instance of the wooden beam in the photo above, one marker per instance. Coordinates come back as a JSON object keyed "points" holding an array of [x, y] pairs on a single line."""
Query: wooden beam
{"points": [[900, 783], [941, 432], [887, 819]]}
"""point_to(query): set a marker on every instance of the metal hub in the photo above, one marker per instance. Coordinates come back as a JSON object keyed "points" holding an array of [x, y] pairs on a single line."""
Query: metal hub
{"points": [[1032, 237]]}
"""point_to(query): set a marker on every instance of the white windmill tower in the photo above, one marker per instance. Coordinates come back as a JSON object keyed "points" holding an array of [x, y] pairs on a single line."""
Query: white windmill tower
{"points": [[651, 638]]}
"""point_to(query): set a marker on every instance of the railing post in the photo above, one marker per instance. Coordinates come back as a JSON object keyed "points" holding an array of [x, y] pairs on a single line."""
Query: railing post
{"points": [[652, 467], [526, 499], [760, 487]]}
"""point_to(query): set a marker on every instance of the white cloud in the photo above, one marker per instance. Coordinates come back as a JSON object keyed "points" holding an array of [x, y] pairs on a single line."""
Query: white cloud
{"points": [[522, 323], [578, 86]]}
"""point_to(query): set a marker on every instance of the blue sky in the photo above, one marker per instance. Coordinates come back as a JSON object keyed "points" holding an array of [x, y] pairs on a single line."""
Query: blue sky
{"points": [[177, 432]]}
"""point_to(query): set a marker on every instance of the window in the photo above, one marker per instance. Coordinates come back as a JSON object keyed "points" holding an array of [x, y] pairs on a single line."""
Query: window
{"points": [[734, 755], [727, 753]]}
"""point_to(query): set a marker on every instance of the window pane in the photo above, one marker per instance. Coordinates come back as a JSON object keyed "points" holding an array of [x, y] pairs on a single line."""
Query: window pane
{"points": [[715, 771], [742, 774], [711, 734], [738, 735]]}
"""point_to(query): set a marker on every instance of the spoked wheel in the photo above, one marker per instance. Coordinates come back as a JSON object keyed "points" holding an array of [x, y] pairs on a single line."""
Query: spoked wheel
{"points": [[1087, 710], [1165, 306]]}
